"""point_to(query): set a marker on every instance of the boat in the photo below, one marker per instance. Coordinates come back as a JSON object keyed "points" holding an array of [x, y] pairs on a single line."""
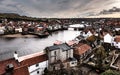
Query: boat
{"points": [[41, 35]]}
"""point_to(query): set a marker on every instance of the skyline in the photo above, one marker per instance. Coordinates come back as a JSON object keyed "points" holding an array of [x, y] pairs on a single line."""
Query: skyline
{"points": [[60, 8]]}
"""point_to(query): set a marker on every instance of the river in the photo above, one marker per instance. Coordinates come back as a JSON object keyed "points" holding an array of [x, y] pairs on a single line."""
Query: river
{"points": [[25, 46]]}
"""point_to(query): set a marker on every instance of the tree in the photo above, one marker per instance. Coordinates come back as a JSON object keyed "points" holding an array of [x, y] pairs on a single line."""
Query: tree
{"points": [[110, 72], [100, 54], [91, 38]]}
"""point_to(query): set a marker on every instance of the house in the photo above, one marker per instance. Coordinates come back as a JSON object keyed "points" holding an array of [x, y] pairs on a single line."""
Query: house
{"points": [[36, 63], [107, 41], [81, 51], [117, 42], [72, 42], [86, 34], [108, 38], [19, 30], [117, 28], [2, 29], [57, 42], [89, 33], [60, 56], [33, 64], [92, 40]]}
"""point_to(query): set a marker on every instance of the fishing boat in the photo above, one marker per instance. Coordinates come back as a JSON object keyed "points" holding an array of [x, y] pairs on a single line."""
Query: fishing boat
{"points": [[41, 35]]}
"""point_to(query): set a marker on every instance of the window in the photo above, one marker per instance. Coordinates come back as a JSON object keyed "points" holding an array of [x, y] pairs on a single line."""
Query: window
{"points": [[67, 56], [55, 53], [38, 72], [37, 65], [116, 42], [72, 63], [55, 57]]}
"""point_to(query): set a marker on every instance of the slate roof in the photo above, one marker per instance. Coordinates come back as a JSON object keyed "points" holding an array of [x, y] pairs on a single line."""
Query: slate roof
{"points": [[63, 47], [51, 48]]}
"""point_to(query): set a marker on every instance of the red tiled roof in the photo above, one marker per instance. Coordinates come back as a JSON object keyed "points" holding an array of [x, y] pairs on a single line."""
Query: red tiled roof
{"points": [[4, 63], [30, 56], [81, 48], [71, 42], [117, 39], [22, 70], [25, 60], [57, 42], [34, 59]]}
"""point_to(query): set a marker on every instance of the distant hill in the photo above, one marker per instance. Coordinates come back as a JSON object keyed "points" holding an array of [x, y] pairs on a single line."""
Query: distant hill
{"points": [[14, 16], [17, 17], [9, 15]]}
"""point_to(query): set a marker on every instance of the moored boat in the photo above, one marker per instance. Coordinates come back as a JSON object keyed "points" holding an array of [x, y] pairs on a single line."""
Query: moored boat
{"points": [[42, 35]]}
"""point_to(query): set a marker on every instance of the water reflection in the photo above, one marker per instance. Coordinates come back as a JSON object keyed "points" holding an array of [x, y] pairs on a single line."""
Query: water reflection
{"points": [[26, 46]]}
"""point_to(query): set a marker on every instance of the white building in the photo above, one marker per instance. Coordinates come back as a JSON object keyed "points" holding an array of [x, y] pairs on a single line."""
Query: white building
{"points": [[77, 26], [38, 69], [36, 63], [117, 29], [2, 29], [60, 56], [18, 30], [89, 34], [117, 42], [108, 38]]}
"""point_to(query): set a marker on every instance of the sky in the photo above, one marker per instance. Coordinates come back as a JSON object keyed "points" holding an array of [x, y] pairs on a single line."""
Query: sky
{"points": [[58, 8]]}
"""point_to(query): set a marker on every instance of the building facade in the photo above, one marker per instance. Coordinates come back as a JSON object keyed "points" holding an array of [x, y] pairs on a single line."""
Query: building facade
{"points": [[60, 56]]}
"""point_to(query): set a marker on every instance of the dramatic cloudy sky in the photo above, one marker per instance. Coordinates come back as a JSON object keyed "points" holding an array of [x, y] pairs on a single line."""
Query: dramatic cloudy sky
{"points": [[56, 8]]}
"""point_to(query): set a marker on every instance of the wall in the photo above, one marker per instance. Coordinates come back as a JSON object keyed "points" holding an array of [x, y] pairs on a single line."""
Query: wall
{"points": [[63, 55], [52, 55], [38, 68], [70, 52]]}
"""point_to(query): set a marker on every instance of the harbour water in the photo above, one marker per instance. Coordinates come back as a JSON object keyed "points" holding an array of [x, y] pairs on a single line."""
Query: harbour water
{"points": [[25, 46]]}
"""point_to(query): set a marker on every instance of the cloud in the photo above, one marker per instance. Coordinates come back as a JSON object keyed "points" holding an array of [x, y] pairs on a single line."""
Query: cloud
{"points": [[108, 12], [10, 6], [56, 8], [113, 12], [112, 15]]}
